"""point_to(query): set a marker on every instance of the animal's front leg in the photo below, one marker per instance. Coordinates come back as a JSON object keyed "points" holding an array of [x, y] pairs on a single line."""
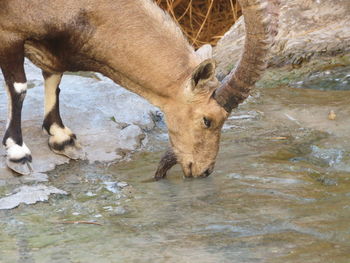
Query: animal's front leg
{"points": [[62, 140], [18, 156], [166, 163]]}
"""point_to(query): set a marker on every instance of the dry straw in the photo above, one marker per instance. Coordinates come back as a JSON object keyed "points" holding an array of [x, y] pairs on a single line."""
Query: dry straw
{"points": [[203, 21]]}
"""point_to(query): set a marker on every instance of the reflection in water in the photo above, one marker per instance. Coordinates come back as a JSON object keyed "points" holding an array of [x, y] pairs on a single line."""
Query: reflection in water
{"points": [[280, 193]]}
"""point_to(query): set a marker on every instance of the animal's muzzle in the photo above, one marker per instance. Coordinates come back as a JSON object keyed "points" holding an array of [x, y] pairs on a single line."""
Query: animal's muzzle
{"points": [[208, 171], [190, 173]]}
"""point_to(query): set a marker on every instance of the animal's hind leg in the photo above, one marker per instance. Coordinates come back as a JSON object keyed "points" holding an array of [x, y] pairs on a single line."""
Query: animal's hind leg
{"points": [[62, 140], [18, 156]]}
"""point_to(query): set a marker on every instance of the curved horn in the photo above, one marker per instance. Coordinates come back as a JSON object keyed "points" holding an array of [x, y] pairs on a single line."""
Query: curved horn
{"points": [[261, 22], [168, 160]]}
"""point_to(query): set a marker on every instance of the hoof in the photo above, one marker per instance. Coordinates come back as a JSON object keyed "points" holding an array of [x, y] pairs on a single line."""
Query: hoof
{"points": [[72, 152], [22, 166], [70, 148]]}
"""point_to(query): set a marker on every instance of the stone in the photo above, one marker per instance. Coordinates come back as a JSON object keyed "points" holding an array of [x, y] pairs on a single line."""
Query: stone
{"points": [[29, 195], [307, 28]]}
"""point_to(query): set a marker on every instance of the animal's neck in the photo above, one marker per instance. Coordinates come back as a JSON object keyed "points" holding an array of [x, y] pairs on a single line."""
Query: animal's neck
{"points": [[144, 51]]}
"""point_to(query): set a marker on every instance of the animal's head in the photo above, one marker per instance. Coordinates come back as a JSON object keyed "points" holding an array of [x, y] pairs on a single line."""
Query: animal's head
{"points": [[196, 117], [195, 120]]}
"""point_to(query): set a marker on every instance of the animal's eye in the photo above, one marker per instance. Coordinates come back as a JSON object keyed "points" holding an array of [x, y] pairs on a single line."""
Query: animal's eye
{"points": [[207, 122]]}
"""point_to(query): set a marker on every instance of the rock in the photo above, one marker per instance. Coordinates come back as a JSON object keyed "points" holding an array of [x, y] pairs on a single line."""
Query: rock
{"points": [[29, 195], [329, 157], [122, 184], [36, 177], [131, 138], [112, 187], [306, 28], [106, 118]]}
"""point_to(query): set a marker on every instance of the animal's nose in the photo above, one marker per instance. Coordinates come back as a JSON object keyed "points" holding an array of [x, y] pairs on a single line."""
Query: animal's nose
{"points": [[208, 171]]}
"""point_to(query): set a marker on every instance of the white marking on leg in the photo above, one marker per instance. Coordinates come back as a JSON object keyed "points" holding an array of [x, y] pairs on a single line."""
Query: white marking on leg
{"points": [[20, 87], [15, 151], [59, 135], [51, 84], [9, 106]]}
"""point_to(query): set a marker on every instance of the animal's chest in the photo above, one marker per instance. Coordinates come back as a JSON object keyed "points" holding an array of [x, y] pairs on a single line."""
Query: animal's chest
{"points": [[53, 55]]}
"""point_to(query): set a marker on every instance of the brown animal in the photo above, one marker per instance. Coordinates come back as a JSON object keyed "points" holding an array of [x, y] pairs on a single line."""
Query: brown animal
{"points": [[138, 46]]}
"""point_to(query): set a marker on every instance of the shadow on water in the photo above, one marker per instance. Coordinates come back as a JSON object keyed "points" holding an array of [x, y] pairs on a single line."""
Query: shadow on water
{"points": [[280, 193]]}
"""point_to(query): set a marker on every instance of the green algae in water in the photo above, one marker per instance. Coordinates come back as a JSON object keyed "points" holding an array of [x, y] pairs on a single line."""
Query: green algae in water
{"points": [[320, 74]]}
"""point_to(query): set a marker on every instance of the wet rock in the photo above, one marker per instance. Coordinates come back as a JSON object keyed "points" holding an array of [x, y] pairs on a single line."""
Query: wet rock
{"points": [[105, 117], [327, 181], [306, 28], [36, 177], [329, 157], [122, 184], [112, 187], [29, 195], [115, 187], [131, 138], [120, 210]]}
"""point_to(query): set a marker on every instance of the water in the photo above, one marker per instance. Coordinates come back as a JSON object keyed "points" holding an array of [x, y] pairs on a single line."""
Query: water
{"points": [[280, 193], [337, 78]]}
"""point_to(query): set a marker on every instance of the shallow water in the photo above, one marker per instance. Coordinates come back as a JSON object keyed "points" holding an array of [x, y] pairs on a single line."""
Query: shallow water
{"points": [[280, 193]]}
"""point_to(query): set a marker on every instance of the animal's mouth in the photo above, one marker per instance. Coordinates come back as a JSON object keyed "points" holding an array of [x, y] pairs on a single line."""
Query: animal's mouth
{"points": [[208, 172], [188, 170], [189, 173]]}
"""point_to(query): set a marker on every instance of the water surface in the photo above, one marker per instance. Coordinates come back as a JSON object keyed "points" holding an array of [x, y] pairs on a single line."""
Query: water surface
{"points": [[280, 193]]}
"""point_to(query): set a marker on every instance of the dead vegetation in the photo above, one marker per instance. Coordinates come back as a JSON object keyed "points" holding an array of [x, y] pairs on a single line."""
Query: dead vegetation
{"points": [[203, 21]]}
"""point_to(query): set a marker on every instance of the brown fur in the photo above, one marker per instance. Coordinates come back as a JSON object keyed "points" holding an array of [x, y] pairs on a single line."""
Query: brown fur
{"points": [[137, 45]]}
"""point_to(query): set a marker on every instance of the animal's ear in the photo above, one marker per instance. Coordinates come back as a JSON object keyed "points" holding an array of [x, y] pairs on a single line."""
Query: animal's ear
{"points": [[205, 52], [204, 72]]}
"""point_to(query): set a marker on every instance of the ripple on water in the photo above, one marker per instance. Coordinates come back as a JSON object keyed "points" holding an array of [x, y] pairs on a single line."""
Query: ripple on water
{"points": [[264, 179]]}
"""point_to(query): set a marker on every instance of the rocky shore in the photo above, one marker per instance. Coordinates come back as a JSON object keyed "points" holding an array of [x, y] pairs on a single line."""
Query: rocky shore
{"points": [[307, 29]]}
